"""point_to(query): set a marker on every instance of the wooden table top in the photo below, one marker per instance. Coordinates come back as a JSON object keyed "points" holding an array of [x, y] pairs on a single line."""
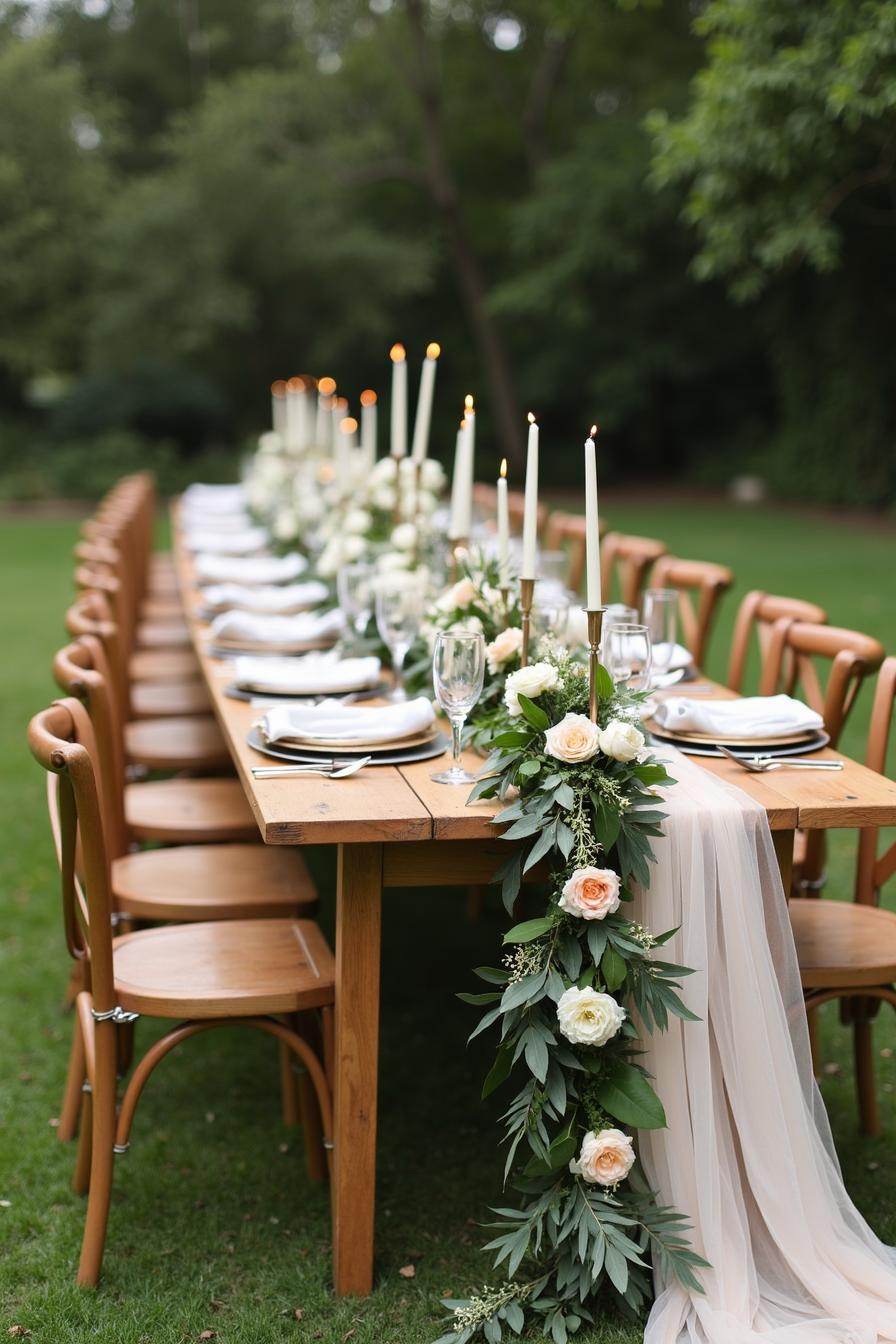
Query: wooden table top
{"points": [[402, 803]]}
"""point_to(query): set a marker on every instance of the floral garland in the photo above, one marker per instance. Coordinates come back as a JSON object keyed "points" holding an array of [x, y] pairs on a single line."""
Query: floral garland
{"points": [[580, 796]]}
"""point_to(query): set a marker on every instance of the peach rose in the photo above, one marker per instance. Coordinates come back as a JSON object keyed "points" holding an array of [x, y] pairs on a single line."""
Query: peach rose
{"points": [[503, 647], [574, 738], [605, 1158], [591, 893], [461, 594]]}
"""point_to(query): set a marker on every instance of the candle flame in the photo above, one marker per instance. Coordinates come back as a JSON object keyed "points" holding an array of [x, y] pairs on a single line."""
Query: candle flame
{"points": [[433, 350], [397, 353], [593, 433], [531, 418], [504, 467], [326, 387], [468, 402], [295, 384], [368, 397], [278, 388], [348, 425], [463, 424], [342, 403]]}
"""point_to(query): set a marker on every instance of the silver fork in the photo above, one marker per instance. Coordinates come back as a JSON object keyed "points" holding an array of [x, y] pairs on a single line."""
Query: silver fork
{"points": [[758, 765], [330, 770]]}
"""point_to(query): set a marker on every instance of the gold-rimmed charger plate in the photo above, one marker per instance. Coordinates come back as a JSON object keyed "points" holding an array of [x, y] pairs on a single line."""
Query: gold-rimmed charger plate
{"points": [[356, 748], [711, 739], [275, 650]]}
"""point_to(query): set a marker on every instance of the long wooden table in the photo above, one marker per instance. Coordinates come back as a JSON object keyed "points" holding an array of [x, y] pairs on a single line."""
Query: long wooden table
{"points": [[394, 827]]}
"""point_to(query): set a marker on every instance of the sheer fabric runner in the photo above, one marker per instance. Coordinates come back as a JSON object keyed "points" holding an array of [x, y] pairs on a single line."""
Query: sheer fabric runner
{"points": [[747, 1154]]}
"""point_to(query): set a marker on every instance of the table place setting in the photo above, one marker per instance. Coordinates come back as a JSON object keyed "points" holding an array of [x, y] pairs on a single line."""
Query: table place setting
{"points": [[405, 731], [245, 631], [272, 600], [775, 725], [248, 541], [251, 569], [312, 674]]}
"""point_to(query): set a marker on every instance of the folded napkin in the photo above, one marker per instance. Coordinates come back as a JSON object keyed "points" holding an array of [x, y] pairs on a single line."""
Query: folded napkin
{"points": [[250, 569], [305, 628], [215, 524], [665, 661], [335, 722], [229, 543], [311, 674], [214, 498], [283, 600], [759, 716]]}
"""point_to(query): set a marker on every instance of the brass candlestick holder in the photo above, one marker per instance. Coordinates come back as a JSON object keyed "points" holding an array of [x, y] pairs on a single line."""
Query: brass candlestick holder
{"points": [[527, 592], [595, 616]]}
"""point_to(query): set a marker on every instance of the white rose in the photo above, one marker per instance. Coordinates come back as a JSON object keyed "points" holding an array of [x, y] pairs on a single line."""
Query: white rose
{"points": [[432, 476], [605, 1158], [286, 524], [621, 741], [404, 537], [391, 562], [587, 1017], [503, 647], [383, 471], [460, 594], [426, 503], [310, 508], [353, 547], [530, 681], [330, 558], [383, 496], [574, 738], [357, 520]]}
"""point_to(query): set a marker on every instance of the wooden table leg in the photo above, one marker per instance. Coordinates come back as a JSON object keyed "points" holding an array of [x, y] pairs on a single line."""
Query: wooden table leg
{"points": [[358, 909], [783, 842]]}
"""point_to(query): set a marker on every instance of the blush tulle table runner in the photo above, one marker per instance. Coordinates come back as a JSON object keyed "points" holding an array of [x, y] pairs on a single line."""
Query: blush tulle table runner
{"points": [[748, 1154]]}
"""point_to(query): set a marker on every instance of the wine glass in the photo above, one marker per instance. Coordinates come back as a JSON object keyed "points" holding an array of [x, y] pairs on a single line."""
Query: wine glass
{"points": [[627, 655], [399, 613], [618, 613], [458, 670], [661, 619], [354, 587]]}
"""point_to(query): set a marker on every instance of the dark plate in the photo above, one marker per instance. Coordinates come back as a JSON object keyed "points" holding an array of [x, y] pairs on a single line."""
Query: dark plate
{"points": [[234, 692], [381, 755], [820, 739]]}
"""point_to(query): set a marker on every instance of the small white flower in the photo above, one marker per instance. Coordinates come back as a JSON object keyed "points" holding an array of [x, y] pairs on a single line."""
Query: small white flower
{"points": [[285, 526], [330, 558], [383, 471], [587, 1017], [383, 496], [357, 520], [530, 681], [353, 547], [621, 741], [404, 537]]}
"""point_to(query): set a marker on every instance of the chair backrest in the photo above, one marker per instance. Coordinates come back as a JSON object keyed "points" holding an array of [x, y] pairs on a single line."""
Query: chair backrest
{"points": [[566, 532], [92, 615], [874, 869], [757, 614], [851, 657], [700, 586], [516, 508], [61, 739], [626, 559], [82, 671]]}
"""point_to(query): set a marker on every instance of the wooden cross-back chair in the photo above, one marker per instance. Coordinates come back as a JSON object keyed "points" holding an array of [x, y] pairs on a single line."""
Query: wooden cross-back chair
{"points": [[700, 585], [847, 951], [253, 972], [625, 561], [165, 654], [757, 616], [566, 532]]}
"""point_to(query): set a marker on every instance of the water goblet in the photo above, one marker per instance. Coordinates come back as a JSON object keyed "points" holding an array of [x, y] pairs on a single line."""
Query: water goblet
{"points": [[354, 588], [627, 655], [661, 618], [399, 614], [618, 613], [458, 671]]}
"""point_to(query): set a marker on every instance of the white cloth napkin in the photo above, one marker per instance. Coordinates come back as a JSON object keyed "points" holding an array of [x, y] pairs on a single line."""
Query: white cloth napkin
{"points": [[213, 498], [284, 600], [759, 716], [229, 543], [311, 674], [215, 524], [305, 628], [260, 569], [335, 722], [665, 660]]}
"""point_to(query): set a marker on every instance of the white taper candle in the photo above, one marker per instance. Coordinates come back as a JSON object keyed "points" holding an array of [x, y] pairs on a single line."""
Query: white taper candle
{"points": [[592, 525], [530, 509], [399, 438], [420, 442], [503, 528]]}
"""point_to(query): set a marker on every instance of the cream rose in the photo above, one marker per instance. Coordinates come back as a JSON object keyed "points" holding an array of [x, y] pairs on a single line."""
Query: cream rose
{"points": [[404, 537], [432, 476], [460, 594], [591, 893], [357, 520], [531, 681], [605, 1158], [503, 647], [587, 1017], [574, 738], [621, 741]]}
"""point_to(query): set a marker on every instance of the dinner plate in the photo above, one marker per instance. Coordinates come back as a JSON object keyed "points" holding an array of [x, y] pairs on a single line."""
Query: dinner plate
{"points": [[234, 692], [710, 739], [218, 650], [344, 748], [380, 756], [690, 748]]}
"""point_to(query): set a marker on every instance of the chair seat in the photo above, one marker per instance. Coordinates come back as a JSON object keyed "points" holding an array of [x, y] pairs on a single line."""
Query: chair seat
{"points": [[840, 944], [163, 665], [189, 811], [163, 607], [193, 882], [205, 970], [176, 744], [168, 700], [162, 635]]}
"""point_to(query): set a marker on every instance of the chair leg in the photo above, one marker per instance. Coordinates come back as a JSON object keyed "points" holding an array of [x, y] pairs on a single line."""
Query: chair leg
{"points": [[288, 1088], [869, 1115], [81, 1177], [102, 1154], [312, 1130], [72, 1097]]}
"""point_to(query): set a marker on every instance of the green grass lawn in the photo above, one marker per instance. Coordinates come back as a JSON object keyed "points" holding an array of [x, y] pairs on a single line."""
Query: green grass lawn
{"points": [[214, 1226]]}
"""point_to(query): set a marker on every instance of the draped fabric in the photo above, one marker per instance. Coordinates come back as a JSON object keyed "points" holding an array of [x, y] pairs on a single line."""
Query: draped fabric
{"points": [[747, 1154]]}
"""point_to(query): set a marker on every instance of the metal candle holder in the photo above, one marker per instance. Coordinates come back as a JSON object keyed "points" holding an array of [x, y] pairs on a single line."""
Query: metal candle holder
{"points": [[527, 592], [595, 616]]}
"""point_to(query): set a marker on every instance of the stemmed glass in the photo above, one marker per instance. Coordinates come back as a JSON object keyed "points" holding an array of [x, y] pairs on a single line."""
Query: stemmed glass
{"points": [[661, 619], [627, 655], [399, 613], [458, 670], [354, 588]]}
